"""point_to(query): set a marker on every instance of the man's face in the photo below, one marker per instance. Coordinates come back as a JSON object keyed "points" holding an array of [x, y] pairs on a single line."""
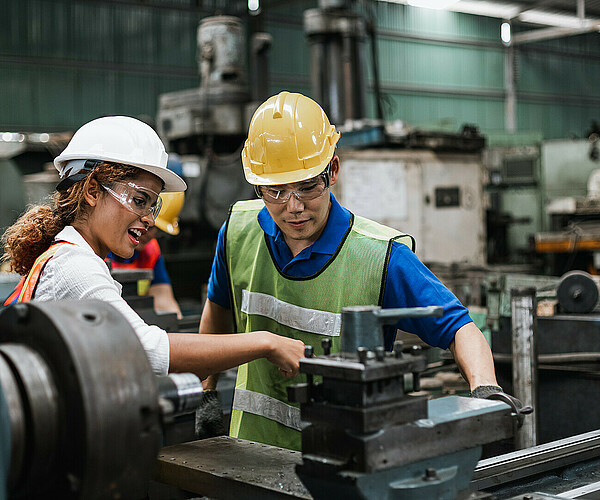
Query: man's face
{"points": [[302, 221]]}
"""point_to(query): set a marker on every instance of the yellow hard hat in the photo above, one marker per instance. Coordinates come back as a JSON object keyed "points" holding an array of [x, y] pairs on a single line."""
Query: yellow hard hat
{"points": [[168, 217], [289, 140]]}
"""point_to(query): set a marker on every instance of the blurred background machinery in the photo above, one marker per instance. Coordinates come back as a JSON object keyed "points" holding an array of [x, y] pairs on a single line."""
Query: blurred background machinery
{"points": [[427, 183], [206, 128]]}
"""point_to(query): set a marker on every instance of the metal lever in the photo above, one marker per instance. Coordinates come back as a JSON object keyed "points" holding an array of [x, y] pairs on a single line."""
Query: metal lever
{"points": [[390, 316], [519, 411]]}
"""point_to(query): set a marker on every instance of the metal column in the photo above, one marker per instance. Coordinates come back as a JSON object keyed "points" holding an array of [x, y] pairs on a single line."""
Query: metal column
{"points": [[510, 103], [524, 360]]}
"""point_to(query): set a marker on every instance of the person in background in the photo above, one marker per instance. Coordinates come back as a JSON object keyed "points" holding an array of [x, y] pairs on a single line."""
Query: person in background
{"points": [[291, 260], [147, 255], [113, 171]]}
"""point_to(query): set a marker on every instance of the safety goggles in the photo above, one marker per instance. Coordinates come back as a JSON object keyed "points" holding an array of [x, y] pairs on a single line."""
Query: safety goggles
{"points": [[303, 191], [137, 199]]}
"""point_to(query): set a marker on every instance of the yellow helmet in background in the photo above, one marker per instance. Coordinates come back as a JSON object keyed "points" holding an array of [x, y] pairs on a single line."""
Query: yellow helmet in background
{"points": [[289, 140], [168, 217]]}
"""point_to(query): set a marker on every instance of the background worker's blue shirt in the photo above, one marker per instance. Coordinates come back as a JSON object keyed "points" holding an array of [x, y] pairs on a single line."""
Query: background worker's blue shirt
{"points": [[409, 283]]}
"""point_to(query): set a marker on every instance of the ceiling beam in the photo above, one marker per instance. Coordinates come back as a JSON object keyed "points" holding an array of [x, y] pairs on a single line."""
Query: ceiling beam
{"points": [[549, 33]]}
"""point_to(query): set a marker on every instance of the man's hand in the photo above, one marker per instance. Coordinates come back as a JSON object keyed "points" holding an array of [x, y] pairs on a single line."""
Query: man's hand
{"points": [[483, 391], [285, 354], [495, 392], [209, 416]]}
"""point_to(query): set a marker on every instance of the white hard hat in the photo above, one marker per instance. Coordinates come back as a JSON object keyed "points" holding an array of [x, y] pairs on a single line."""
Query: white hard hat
{"points": [[120, 139]]}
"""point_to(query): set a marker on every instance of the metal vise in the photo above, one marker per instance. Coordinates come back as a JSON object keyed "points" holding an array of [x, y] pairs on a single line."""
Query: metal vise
{"points": [[368, 438]]}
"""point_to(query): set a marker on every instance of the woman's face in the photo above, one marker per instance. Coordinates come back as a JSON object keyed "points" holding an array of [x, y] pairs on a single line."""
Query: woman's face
{"points": [[114, 227]]}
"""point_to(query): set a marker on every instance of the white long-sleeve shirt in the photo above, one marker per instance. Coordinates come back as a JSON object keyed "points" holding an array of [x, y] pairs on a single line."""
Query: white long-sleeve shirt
{"points": [[76, 272]]}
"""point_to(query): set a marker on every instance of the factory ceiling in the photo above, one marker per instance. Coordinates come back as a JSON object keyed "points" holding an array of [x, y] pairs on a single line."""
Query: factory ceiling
{"points": [[537, 20], [515, 8], [592, 7]]}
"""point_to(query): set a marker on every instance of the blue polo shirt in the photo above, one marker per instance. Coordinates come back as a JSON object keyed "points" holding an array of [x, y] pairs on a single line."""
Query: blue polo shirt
{"points": [[409, 283]]}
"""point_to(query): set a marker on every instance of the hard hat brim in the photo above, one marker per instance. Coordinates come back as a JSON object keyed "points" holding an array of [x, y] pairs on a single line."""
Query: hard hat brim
{"points": [[172, 182], [278, 178], [167, 228]]}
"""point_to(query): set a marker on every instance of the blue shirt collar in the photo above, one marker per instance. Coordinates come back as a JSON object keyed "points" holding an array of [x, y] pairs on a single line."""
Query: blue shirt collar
{"points": [[337, 225]]}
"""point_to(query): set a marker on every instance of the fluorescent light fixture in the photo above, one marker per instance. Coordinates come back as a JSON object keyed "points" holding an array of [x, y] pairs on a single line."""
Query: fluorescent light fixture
{"points": [[12, 137], [551, 19], [489, 9], [253, 5], [477, 7], [503, 10], [505, 33], [432, 4]]}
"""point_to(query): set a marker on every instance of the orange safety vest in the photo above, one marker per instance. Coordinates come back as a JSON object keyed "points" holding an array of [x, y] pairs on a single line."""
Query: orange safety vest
{"points": [[146, 259], [26, 287]]}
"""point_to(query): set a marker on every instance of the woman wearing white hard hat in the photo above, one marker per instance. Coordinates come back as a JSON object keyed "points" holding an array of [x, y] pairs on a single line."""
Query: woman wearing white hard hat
{"points": [[111, 173]]}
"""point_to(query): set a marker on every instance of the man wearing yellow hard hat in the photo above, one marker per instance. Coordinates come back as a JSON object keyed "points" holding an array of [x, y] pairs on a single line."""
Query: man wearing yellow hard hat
{"points": [[289, 261], [148, 255]]}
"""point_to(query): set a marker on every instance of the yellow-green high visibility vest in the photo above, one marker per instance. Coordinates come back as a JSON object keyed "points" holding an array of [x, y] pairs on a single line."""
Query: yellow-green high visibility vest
{"points": [[304, 308]]}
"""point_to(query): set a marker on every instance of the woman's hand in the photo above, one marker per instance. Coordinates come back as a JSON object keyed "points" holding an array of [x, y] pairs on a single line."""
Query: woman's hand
{"points": [[285, 353]]}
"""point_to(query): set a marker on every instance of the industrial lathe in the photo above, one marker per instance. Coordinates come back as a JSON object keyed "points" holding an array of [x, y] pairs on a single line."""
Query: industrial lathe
{"points": [[85, 416], [366, 437]]}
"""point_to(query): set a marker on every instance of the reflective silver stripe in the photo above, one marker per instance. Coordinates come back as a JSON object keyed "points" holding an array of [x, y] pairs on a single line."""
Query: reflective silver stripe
{"points": [[300, 318], [268, 407]]}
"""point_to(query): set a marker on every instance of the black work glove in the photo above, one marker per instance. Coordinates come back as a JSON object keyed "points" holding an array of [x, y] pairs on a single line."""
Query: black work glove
{"points": [[483, 391], [495, 392], [209, 416]]}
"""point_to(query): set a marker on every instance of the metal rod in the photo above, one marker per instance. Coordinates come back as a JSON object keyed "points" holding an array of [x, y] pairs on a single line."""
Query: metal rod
{"points": [[581, 9], [524, 357], [552, 33], [520, 464], [510, 102], [410, 312], [561, 357], [588, 491]]}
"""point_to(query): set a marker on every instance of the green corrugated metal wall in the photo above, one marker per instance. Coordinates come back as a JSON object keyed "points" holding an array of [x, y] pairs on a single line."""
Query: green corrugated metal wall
{"points": [[63, 62]]}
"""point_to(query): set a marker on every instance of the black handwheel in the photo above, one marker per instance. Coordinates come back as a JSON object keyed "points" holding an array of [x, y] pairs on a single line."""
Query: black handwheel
{"points": [[577, 292]]}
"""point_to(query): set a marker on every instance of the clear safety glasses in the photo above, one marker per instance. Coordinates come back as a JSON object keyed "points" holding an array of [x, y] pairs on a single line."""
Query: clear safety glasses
{"points": [[303, 191], [137, 199]]}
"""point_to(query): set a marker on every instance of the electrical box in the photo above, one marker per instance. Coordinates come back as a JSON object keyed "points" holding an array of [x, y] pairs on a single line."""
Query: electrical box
{"points": [[437, 198]]}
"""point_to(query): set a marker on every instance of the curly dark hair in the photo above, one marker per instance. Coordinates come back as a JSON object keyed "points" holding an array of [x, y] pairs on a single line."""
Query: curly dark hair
{"points": [[32, 234]]}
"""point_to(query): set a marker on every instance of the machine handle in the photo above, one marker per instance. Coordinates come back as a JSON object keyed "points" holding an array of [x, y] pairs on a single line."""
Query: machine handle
{"points": [[517, 407], [390, 316]]}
